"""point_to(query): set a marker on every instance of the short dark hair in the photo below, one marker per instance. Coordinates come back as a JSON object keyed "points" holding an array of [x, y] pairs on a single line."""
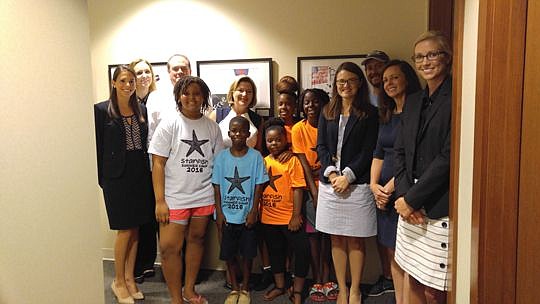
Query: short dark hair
{"points": [[275, 123], [182, 85], [241, 120], [320, 94]]}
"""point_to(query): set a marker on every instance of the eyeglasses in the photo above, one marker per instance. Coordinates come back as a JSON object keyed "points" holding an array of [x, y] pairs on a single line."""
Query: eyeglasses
{"points": [[431, 56], [342, 82]]}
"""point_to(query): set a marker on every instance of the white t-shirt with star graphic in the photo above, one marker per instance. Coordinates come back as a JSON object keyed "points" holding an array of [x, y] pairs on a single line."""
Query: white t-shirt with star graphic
{"points": [[190, 146]]}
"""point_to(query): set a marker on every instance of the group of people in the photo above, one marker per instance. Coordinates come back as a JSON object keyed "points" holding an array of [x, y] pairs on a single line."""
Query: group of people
{"points": [[305, 189]]}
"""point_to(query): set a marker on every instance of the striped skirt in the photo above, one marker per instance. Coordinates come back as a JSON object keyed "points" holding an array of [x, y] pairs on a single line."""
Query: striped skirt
{"points": [[422, 251]]}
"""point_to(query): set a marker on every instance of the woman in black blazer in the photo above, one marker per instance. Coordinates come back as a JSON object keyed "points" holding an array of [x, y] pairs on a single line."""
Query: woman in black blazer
{"points": [[422, 173], [124, 175], [347, 134]]}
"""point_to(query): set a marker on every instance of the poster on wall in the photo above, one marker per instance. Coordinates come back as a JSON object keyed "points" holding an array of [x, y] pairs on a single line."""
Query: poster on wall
{"points": [[161, 76], [319, 71], [220, 74]]}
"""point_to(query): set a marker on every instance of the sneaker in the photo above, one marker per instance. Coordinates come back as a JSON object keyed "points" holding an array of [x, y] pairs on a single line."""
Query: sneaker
{"points": [[139, 279], [266, 279], [382, 286]]}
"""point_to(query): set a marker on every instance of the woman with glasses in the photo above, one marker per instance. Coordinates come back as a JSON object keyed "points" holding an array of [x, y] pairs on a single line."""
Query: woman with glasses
{"points": [[347, 134], [422, 174]]}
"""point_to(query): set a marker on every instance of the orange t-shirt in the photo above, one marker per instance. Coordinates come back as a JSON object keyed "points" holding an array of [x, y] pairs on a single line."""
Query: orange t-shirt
{"points": [[288, 129], [304, 140], [277, 199]]}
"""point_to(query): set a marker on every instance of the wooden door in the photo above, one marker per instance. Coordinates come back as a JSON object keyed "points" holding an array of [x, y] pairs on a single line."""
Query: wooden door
{"points": [[528, 264]]}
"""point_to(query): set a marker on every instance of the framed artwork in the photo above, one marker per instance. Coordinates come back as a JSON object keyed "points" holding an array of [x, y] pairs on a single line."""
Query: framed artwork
{"points": [[160, 74], [319, 71], [220, 74]]}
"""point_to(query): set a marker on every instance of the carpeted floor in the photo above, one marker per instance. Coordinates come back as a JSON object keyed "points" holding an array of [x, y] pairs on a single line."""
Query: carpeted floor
{"points": [[211, 286]]}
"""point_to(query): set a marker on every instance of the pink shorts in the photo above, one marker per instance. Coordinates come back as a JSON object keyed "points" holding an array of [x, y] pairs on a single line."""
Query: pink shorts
{"points": [[182, 216]]}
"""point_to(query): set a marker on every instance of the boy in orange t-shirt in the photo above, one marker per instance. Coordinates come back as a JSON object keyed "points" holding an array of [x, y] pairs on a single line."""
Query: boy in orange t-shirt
{"points": [[282, 213]]}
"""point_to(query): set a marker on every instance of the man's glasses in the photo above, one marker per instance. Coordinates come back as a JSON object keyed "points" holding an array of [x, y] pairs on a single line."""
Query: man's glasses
{"points": [[431, 56]]}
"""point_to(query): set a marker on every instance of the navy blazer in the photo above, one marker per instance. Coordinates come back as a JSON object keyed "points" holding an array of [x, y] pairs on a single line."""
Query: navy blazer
{"points": [[111, 142], [429, 144], [359, 141]]}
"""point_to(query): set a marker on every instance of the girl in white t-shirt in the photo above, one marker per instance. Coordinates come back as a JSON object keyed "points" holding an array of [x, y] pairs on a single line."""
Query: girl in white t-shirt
{"points": [[183, 149]]}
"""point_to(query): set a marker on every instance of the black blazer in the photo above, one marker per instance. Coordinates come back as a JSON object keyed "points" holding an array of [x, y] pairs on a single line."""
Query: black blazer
{"points": [[359, 140], [111, 142], [429, 144]]}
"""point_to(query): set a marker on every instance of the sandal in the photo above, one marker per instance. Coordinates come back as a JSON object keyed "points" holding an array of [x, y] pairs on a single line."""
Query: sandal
{"points": [[291, 295], [232, 298], [316, 293], [198, 299], [244, 297], [331, 291], [273, 293]]}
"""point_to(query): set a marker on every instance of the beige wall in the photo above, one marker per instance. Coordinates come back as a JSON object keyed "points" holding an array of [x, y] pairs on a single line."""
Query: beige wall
{"points": [[463, 258], [49, 231], [121, 31]]}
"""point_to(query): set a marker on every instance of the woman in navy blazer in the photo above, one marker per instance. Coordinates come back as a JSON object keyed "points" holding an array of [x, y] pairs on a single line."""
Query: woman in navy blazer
{"points": [[422, 173], [124, 175], [347, 134]]}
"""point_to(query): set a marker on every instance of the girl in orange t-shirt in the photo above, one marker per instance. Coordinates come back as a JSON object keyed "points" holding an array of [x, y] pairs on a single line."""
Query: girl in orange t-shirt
{"points": [[281, 213], [304, 146]]}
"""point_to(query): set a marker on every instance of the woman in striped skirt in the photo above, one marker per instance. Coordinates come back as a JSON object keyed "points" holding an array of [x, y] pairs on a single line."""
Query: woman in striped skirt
{"points": [[422, 164]]}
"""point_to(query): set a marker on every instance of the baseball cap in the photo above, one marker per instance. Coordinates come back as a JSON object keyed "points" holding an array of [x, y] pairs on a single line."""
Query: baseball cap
{"points": [[377, 55]]}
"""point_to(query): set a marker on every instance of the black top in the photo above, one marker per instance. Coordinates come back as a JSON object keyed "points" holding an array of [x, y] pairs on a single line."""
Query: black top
{"points": [[422, 147]]}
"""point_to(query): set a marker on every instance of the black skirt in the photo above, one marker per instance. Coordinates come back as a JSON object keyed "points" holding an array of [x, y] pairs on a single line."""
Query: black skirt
{"points": [[129, 199]]}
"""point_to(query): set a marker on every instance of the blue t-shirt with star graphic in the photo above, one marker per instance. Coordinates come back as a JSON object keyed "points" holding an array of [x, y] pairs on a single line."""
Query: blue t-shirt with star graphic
{"points": [[237, 178]]}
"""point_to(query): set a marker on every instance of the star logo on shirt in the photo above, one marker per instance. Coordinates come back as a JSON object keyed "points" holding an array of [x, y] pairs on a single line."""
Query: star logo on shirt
{"points": [[195, 144], [272, 179], [236, 181]]}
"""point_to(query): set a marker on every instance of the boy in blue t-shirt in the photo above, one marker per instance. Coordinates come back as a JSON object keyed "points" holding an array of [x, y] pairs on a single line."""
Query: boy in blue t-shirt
{"points": [[238, 177]]}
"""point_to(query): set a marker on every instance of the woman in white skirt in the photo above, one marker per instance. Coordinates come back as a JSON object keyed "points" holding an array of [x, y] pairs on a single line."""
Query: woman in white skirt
{"points": [[422, 164], [346, 139]]}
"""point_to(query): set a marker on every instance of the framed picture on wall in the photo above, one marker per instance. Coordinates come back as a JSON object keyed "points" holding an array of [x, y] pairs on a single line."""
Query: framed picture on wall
{"points": [[160, 74], [220, 74], [319, 71]]}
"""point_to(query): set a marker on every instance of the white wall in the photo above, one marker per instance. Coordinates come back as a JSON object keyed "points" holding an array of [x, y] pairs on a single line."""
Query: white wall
{"points": [[50, 228], [231, 29], [463, 259]]}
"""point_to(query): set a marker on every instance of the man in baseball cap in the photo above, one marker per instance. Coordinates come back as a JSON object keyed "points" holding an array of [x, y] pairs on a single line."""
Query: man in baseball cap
{"points": [[374, 64]]}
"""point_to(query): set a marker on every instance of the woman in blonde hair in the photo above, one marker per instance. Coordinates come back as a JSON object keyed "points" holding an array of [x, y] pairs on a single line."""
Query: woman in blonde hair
{"points": [[147, 246], [422, 174], [146, 82], [242, 97]]}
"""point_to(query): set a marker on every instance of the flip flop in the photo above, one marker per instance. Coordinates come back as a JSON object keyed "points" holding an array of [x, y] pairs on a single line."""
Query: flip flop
{"points": [[198, 299], [316, 293], [331, 291]]}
